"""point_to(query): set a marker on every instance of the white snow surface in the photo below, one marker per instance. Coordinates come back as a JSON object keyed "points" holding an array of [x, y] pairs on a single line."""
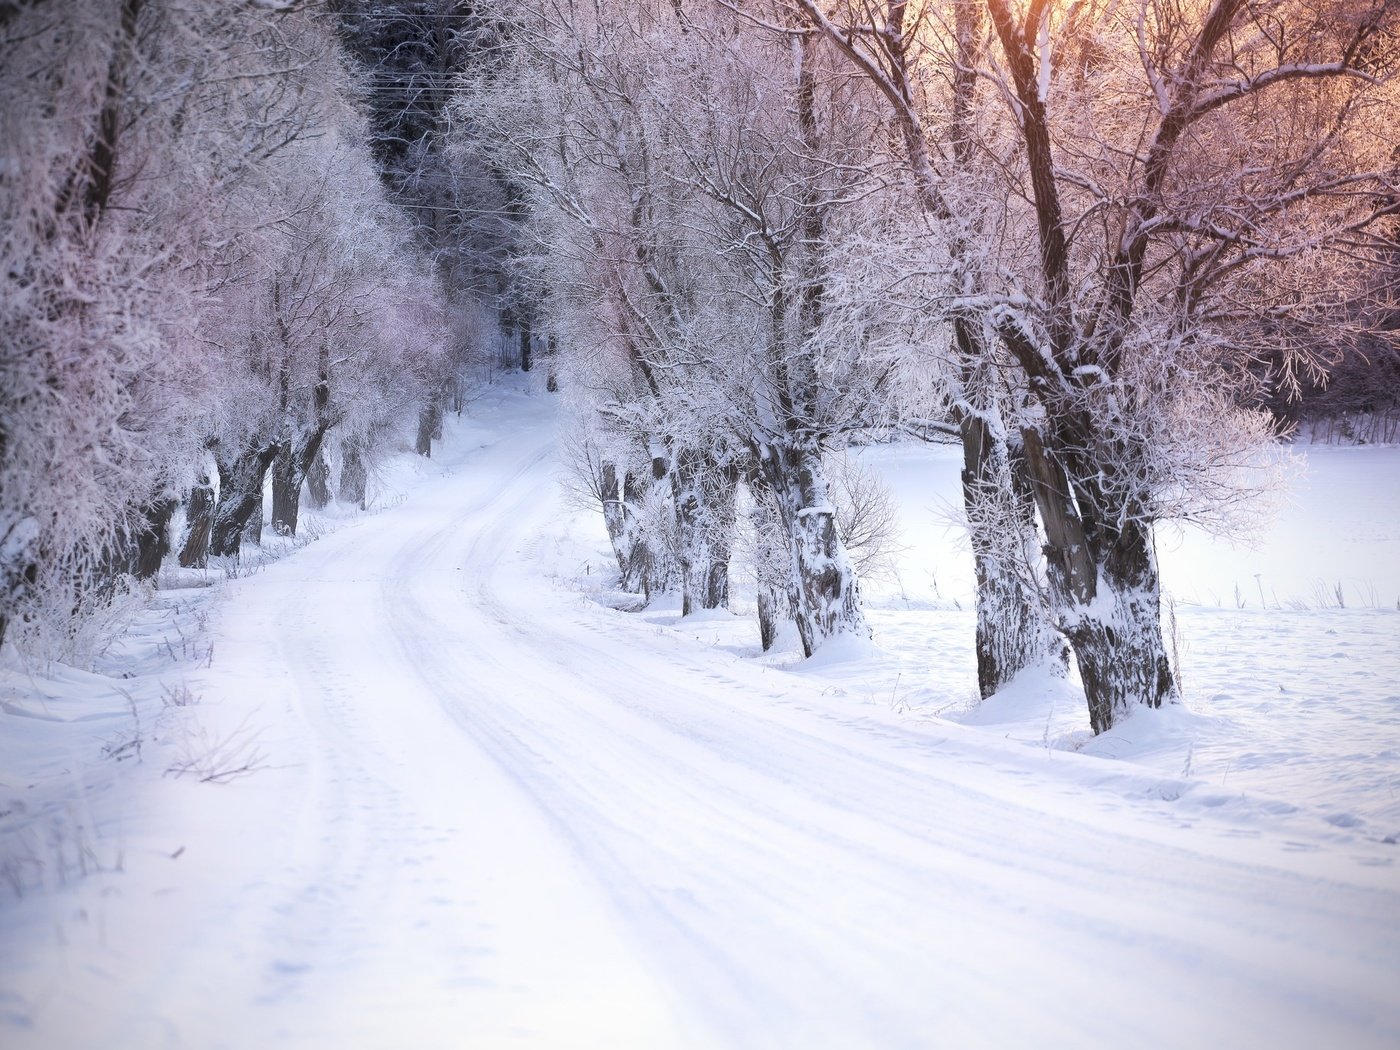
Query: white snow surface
{"points": [[489, 810]]}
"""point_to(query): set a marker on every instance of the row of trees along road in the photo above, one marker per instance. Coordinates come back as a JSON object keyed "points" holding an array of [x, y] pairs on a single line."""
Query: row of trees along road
{"points": [[203, 282], [1085, 239]]}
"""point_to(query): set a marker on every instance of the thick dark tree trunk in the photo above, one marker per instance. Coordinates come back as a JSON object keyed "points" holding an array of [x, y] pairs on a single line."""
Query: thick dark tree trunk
{"points": [[1120, 653], [318, 481], [525, 347], [293, 463], [253, 529], [1108, 595], [429, 423], [552, 349], [153, 538], [199, 519], [827, 595], [353, 475], [240, 500], [286, 492]]}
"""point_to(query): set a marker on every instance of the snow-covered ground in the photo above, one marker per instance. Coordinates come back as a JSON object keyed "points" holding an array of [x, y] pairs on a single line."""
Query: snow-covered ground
{"points": [[482, 808]]}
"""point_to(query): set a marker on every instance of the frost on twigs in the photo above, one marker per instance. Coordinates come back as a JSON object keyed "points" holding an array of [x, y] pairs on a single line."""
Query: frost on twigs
{"points": [[866, 516], [1177, 443], [216, 758], [71, 620]]}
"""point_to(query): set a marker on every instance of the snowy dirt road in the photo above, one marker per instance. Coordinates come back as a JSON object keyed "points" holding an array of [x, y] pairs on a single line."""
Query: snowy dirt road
{"points": [[505, 816]]}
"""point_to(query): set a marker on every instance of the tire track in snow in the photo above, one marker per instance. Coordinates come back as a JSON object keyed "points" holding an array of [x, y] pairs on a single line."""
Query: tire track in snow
{"points": [[522, 820], [610, 807]]}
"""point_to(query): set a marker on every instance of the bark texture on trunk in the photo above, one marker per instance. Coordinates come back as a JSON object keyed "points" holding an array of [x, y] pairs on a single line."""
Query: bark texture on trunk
{"points": [[637, 564], [772, 609], [291, 467], [772, 561], [152, 540], [1104, 582], [199, 520], [1014, 628], [704, 490], [240, 500], [318, 480], [354, 475], [827, 595], [253, 528]]}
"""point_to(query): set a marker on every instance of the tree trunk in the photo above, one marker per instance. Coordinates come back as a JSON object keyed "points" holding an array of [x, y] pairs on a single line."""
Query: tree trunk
{"points": [[704, 490], [240, 500], [1105, 585], [253, 528], [318, 481], [615, 518], [636, 562], [770, 610], [199, 519], [152, 540], [1118, 641], [293, 464], [286, 492], [772, 562], [1014, 629], [827, 595], [525, 361], [353, 475], [19, 554], [429, 422]]}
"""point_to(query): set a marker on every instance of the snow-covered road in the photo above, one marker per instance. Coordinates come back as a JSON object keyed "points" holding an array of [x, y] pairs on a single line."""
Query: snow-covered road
{"points": [[504, 815]]}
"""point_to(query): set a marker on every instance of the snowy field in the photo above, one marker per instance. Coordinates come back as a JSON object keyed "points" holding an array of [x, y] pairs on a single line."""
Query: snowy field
{"points": [[417, 783]]}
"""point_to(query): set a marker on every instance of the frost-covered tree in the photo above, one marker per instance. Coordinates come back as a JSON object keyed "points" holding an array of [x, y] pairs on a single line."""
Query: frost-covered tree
{"points": [[618, 278], [775, 145], [464, 212], [157, 164], [312, 332], [88, 302], [923, 63], [698, 189], [1192, 171]]}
